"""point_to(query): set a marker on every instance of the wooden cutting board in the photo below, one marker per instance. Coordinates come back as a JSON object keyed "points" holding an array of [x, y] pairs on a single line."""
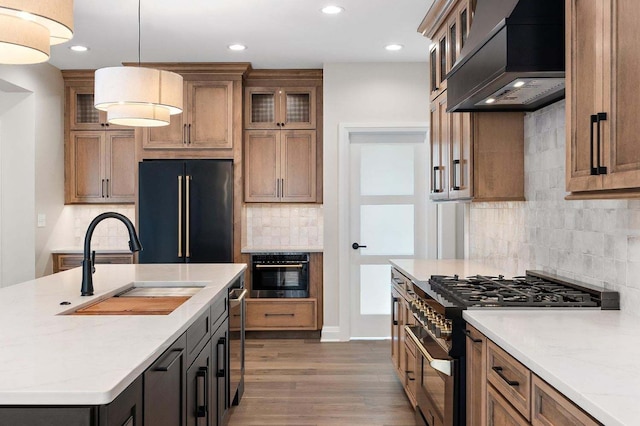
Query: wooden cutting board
{"points": [[134, 306]]}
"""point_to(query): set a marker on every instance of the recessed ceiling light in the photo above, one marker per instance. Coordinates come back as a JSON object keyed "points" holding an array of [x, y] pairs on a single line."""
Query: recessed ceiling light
{"points": [[78, 48], [393, 47], [519, 84], [237, 47], [332, 10], [490, 101]]}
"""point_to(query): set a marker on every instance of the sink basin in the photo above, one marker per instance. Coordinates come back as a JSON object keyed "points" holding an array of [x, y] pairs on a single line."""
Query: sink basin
{"points": [[143, 298]]}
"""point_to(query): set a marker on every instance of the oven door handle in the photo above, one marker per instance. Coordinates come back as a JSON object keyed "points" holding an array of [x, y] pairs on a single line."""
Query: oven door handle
{"points": [[290, 265], [445, 366]]}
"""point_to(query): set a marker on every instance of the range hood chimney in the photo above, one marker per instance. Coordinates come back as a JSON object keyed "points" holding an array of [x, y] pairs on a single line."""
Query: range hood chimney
{"points": [[513, 59]]}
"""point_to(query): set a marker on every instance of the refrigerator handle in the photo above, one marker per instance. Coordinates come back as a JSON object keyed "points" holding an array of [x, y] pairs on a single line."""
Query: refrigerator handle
{"points": [[187, 217], [179, 216]]}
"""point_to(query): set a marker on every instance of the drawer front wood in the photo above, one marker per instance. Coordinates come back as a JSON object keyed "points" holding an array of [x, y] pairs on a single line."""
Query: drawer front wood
{"points": [[292, 314], [410, 378], [197, 336], [500, 412], [510, 378], [550, 408], [63, 262]]}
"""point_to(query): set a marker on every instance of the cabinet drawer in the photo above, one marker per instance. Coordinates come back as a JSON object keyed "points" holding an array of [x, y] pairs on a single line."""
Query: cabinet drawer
{"points": [[510, 378], [550, 408], [197, 335], [292, 314], [63, 262], [219, 310], [500, 412]]}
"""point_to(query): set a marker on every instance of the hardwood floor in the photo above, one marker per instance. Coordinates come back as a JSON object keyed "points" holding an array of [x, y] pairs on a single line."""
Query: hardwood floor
{"points": [[305, 382]]}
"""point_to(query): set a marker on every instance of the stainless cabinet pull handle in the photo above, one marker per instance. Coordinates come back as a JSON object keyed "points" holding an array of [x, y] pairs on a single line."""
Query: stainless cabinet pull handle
{"points": [[187, 218], [179, 216], [499, 372]]}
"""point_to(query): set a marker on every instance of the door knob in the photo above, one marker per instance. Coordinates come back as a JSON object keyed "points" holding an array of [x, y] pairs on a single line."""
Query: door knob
{"points": [[356, 246]]}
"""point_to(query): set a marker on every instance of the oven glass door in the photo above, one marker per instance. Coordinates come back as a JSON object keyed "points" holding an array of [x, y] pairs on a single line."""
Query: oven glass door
{"points": [[435, 379]]}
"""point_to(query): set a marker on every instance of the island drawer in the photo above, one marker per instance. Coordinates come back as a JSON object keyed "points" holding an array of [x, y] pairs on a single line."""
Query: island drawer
{"points": [[197, 335], [281, 314], [550, 407], [510, 378], [55, 416], [65, 261]]}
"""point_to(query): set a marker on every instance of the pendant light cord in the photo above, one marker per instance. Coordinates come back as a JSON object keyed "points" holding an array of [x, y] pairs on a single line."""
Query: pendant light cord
{"points": [[139, 1]]}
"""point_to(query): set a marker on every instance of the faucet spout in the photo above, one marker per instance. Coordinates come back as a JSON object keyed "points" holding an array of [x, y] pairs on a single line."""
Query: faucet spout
{"points": [[88, 259]]}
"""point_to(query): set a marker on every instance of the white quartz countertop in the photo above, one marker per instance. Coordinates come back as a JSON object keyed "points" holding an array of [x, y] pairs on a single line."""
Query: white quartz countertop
{"points": [[52, 359], [591, 356], [422, 269]]}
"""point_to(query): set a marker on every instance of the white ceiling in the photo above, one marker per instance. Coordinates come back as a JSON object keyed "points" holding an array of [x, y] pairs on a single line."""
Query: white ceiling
{"points": [[278, 33]]}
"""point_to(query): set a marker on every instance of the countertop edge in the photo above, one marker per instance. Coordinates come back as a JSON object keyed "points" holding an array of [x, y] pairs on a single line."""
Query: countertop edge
{"points": [[248, 250]]}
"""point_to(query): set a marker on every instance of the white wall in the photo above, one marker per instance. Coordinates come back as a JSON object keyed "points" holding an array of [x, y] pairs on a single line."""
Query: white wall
{"points": [[361, 93], [43, 175], [594, 241]]}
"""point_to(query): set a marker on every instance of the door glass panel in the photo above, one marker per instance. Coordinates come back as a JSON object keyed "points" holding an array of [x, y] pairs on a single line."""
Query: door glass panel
{"points": [[433, 65], [387, 229], [443, 59], [298, 105], [85, 111], [374, 289], [262, 108], [452, 43], [463, 28], [387, 169]]}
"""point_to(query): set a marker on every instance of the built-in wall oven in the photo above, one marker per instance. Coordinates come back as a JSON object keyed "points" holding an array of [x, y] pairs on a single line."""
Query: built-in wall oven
{"points": [[280, 275]]}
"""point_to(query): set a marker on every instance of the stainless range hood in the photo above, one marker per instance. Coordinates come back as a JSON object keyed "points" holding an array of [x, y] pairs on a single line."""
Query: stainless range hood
{"points": [[513, 59]]}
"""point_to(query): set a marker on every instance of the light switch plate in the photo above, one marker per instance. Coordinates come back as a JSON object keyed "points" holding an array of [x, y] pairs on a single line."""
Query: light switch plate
{"points": [[42, 220]]}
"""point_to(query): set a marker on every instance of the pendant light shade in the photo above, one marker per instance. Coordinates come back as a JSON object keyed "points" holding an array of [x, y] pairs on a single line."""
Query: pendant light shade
{"points": [[29, 27], [138, 96]]}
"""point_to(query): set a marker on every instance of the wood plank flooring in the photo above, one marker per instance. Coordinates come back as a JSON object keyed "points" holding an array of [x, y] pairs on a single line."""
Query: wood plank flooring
{"points": [[305, 382]]}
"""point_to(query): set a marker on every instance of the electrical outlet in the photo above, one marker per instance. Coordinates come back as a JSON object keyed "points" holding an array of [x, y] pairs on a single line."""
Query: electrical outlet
{"points": [[42, 220]]}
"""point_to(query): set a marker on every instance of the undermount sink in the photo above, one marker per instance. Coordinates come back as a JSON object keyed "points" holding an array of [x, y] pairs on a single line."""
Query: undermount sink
{"points": [[143, 298]]}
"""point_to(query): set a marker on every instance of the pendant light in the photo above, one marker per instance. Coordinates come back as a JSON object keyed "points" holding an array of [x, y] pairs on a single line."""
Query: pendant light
{"points": [[29, 27], [138, 96]]}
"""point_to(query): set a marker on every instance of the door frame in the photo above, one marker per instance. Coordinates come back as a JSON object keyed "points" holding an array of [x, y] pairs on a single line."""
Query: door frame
{"points": [[345, 130]]}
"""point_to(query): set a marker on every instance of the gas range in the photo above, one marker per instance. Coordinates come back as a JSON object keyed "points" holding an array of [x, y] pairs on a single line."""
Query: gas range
{"points": [[438, 328]]}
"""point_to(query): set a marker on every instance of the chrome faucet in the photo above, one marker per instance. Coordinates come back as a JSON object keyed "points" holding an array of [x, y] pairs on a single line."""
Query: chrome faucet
{"points": [[89, 258]]}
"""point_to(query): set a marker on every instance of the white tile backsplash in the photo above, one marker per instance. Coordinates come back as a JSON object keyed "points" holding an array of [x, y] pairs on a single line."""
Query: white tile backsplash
{"points": [[282, 225], [110, 234], [594, 241]]}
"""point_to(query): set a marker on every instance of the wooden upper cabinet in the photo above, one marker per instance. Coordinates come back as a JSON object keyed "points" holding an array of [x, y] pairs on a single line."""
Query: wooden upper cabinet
{"points": [[280, 166], [439, 149], [438, 63], [82, 114], [603, 150], [100, 167], [206, 121], [280, 108]]}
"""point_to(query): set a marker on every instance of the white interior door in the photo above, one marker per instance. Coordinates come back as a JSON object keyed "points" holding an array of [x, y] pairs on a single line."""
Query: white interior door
{"points": [[389, 217]]}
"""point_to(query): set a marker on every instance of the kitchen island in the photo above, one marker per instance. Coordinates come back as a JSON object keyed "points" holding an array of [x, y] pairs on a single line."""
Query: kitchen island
{"points": [[48, 358]]}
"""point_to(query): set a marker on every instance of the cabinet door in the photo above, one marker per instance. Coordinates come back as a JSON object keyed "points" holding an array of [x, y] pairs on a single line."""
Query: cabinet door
{"points": [[395, 329], [120, 164], [460, 134], [220, 356], [297, 107], [621, 128], [164, 387], [200, 410], [500, 412], [262, 111], [439, 149], [172, 136], [82, 114], [262, 166], [584, 79], [298, 168], [210, 105], [476, 377], [85, 168]]}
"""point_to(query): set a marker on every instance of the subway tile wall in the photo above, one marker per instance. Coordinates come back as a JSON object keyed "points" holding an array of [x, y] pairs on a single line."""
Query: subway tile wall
{"points": [[595, 241], [282, 225], [110, 234]]}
